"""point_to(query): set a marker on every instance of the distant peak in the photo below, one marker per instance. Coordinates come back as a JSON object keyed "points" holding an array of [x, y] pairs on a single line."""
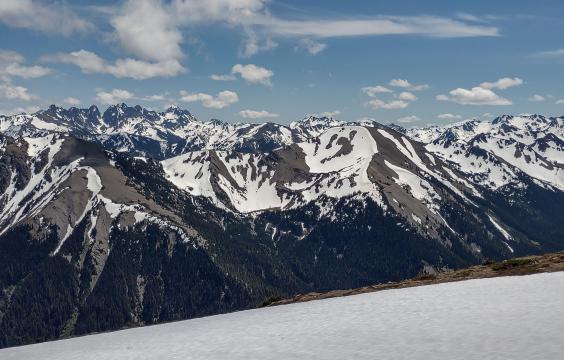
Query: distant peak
{"points": [[54, 107]]}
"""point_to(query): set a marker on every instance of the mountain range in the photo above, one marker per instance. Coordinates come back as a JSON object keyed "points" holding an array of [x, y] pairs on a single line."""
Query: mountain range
{"points": [[132, 217]]}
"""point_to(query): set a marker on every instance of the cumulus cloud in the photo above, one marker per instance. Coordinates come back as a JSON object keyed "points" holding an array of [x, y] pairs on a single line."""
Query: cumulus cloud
{"points": [[14, 92], [253, 74], [502, 84], [155, 97], [230, 11], [372, 91], [254, 114], [449, 116], [72, 101], [475, 96], [113, 97], [408, 119], [91, 63], [12, 64], [220, 101], [402, 83], [407, 96], [536, 98], [311, 46], [152, 29], [390, 105], [146, 29], [328, 114], [20, 110], [483, 94], [560, 101], [55, 18], [399, 101]]}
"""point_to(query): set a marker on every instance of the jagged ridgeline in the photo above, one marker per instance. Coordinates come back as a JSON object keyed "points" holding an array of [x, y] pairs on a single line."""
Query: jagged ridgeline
{"points": [[134, 217]]}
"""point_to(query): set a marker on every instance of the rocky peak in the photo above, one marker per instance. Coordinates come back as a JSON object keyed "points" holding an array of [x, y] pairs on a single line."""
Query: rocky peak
{"points": [[115, 115]]}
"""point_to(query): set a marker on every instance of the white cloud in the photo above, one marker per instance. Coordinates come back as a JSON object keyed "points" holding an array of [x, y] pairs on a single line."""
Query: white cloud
{"points": [[11, 65], [253, 45], [72, 101], [449, 116], [152, 29], [20, 110], [408, 119], [475, 96], [90, 63], [474, 18], [221, 100], [113, 97], [536, 98], [550, 53], [390, 105], [328, 114], [146, 29], [560, 101], [254, 13], [400, 101], [226, 77], [254, 114], [14, 92], [502, 84], [372, 91], [229, 11], [402, 83], [253, 74], [156, 97], [55, 18], [407, 96], [430, 26], [311, 46]]}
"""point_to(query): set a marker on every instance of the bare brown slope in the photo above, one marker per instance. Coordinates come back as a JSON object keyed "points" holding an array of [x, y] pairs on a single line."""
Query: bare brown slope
{"points": [[513, 267]]}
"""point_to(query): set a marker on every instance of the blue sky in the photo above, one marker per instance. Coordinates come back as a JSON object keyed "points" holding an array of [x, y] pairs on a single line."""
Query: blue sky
{"points": [[411, 62]]}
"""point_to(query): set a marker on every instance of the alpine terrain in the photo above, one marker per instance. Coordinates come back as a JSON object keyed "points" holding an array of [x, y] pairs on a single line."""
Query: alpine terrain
{"points": [[132, 217]]}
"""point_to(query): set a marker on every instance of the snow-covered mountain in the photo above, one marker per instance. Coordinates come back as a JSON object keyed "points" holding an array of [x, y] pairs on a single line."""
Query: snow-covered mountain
{"points": [[143, 132], [249, 211], [494, 153]]}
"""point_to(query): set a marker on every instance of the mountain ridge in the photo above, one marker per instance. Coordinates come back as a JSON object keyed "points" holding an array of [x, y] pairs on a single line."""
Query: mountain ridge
{"points": [[160, 217]]}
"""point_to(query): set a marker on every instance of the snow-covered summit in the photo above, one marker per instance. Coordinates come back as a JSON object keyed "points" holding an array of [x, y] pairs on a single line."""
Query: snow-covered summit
{"points": [[531, 144]]}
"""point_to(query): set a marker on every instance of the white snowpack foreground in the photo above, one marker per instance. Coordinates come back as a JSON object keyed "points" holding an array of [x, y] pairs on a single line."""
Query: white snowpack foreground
{"points": [[518, 317]]}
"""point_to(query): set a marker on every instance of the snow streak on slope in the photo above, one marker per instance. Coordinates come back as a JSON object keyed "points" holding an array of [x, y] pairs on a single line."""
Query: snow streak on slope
{"points": [[498, 318], [50, 182], [418, 187], [342, 155], [335, 164]]}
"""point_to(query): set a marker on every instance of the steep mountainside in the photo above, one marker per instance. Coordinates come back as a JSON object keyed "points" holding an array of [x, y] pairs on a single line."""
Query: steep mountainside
{"points": [[134, 217]]}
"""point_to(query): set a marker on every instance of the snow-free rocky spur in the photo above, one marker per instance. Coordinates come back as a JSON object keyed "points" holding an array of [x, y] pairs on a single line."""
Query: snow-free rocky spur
{"points": [[134, 217]]}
